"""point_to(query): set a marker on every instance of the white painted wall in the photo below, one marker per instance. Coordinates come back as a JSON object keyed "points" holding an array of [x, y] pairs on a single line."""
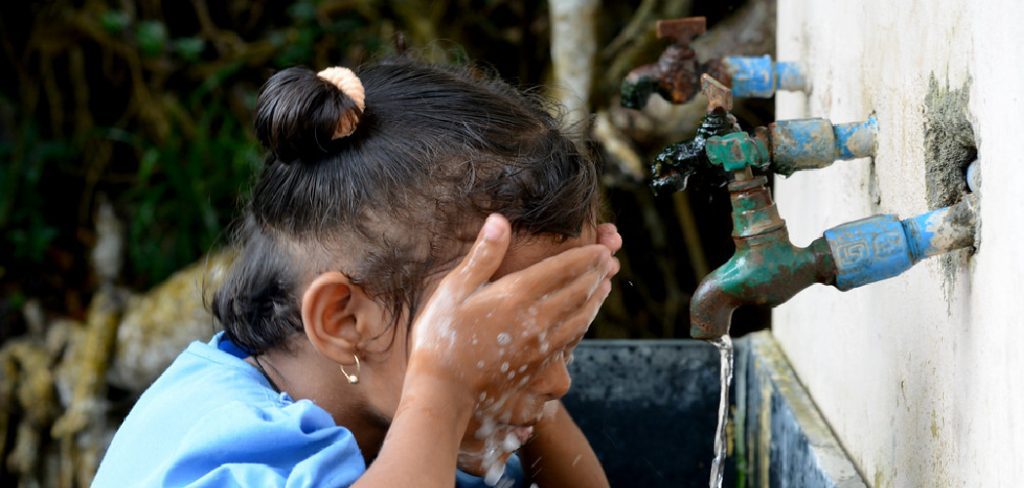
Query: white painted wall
{"points": [[921, 377]]}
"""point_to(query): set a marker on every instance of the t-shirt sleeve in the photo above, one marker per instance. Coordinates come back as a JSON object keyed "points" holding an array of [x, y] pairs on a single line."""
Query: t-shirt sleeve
{"points": [[295, 445]]}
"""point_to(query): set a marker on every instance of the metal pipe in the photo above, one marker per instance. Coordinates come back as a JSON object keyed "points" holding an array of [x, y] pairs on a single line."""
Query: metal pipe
{"points": [[974, 176], [882, 246], [803, 144], [760, 77]]}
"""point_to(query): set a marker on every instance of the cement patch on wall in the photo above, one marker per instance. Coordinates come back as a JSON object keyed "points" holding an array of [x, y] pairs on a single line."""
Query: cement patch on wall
{"points": [[949, 144]]}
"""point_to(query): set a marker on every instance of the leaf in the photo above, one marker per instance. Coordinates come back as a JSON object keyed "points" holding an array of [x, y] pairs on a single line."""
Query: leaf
{"points": [[151, 37], [114, 21], [189, 48]]}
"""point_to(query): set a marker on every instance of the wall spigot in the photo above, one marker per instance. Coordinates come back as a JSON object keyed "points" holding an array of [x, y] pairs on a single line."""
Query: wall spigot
{"points": [[767, 269], [677, 74]]}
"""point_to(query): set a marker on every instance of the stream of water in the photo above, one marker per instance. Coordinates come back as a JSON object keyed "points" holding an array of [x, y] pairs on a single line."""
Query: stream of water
{"points": [[724, 345]]}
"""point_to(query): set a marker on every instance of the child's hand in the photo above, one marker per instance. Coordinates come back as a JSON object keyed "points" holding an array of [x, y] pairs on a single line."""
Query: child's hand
{"points": [[472, 333]]}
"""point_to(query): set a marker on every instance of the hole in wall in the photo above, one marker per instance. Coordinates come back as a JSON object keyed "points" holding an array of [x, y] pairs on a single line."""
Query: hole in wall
{"points": [[949, 142]]}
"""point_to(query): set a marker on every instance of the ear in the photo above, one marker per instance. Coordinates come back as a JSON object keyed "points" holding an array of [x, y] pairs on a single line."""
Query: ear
{"points": [[338, 317]]}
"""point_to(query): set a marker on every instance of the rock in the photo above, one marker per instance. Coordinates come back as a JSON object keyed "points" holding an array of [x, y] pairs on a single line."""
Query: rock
{"points": [[158, 325]]}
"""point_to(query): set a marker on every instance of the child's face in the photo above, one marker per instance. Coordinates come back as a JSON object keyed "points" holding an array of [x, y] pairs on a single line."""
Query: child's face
{"points": [[523, 406], [507, 423]]}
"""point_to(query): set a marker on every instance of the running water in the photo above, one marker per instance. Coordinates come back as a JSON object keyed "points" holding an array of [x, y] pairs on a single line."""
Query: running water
{"points": [[724, 345]]}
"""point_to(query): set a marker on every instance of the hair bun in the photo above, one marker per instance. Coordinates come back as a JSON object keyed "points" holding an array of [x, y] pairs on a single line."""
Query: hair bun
{"points": [[349, 84], [299, 113]]}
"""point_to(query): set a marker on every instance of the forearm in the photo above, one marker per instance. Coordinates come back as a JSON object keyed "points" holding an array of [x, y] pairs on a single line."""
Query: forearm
{"points": [[559, 454], [422, 443]]}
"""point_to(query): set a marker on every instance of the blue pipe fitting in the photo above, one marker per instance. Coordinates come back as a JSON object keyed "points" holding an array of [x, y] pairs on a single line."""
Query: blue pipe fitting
{"points": [[803, 144], [759, 77], [880, 247]]}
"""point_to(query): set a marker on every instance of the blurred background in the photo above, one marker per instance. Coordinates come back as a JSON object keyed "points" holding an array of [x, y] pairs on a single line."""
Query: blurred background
{"points": [[126, 150]]}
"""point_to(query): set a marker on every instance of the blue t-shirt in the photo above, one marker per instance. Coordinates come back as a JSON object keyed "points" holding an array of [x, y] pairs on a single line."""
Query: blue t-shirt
{"points": [[212, 419]]}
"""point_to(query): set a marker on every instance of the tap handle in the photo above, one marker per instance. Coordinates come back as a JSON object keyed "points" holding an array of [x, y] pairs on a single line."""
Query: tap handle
{"points": [[681, 31], [737, 151]]}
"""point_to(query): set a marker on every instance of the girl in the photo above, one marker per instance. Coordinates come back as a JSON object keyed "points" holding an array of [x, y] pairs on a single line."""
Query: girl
{"points": [[369, 340]]}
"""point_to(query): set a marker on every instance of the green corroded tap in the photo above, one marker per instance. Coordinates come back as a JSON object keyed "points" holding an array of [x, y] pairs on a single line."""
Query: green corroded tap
{"points": [[766, 269]]}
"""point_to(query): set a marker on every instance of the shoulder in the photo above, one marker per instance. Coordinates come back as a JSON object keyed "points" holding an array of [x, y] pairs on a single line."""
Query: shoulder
{"points": [[211, 418], [296, 444]]}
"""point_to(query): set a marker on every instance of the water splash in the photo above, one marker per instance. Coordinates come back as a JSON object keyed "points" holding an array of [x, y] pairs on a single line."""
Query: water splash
{"points": [[724, 345]]}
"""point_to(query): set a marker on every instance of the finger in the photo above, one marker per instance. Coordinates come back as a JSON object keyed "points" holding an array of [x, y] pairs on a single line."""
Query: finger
{"points": [[575, 326], [484, 258], [564, 302], [608, 236], [556, 271]]}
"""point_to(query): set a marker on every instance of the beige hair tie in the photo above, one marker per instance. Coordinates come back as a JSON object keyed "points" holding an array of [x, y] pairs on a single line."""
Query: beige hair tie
{"points": [[349, 84]]}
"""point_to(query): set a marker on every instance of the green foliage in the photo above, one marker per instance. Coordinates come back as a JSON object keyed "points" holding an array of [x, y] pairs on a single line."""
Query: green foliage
{"points": [[23, 194], [164, 130], [149, 105], [151, 37]]}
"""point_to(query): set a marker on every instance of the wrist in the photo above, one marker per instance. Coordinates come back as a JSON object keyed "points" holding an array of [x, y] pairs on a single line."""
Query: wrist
{"points": [[434, 393]]}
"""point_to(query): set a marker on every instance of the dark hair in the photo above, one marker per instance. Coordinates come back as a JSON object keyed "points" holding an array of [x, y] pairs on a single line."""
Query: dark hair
{"points": [[435, 151]]}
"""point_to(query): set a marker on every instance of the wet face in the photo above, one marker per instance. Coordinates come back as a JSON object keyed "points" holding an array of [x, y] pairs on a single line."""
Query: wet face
{"points": [[504, 421]]}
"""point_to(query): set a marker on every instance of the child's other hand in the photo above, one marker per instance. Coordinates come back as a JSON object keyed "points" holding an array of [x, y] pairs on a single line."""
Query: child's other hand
{"points": [[608, 236], [483, 338]]}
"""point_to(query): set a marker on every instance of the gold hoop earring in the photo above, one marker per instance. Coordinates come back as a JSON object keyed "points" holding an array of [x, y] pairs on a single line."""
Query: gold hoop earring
{"points": [[352, 379]]}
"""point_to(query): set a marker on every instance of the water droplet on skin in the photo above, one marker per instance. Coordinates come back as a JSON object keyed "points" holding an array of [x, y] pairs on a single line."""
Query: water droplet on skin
{"points": [[511, 374], [511, 442], [504, 339], [486, 428], [504, 366], [522, 368], [480, 364]]}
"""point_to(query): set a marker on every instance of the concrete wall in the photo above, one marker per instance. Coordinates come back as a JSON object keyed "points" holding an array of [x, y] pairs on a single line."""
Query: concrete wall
{"points": [[922, 376]]}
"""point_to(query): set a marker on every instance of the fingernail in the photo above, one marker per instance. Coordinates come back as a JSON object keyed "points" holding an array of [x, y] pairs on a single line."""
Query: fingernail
{"points": [[492, 228]]}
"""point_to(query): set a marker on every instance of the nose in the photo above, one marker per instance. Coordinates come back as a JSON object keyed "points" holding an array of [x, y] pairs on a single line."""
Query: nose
{"points": [[554, 381]]}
